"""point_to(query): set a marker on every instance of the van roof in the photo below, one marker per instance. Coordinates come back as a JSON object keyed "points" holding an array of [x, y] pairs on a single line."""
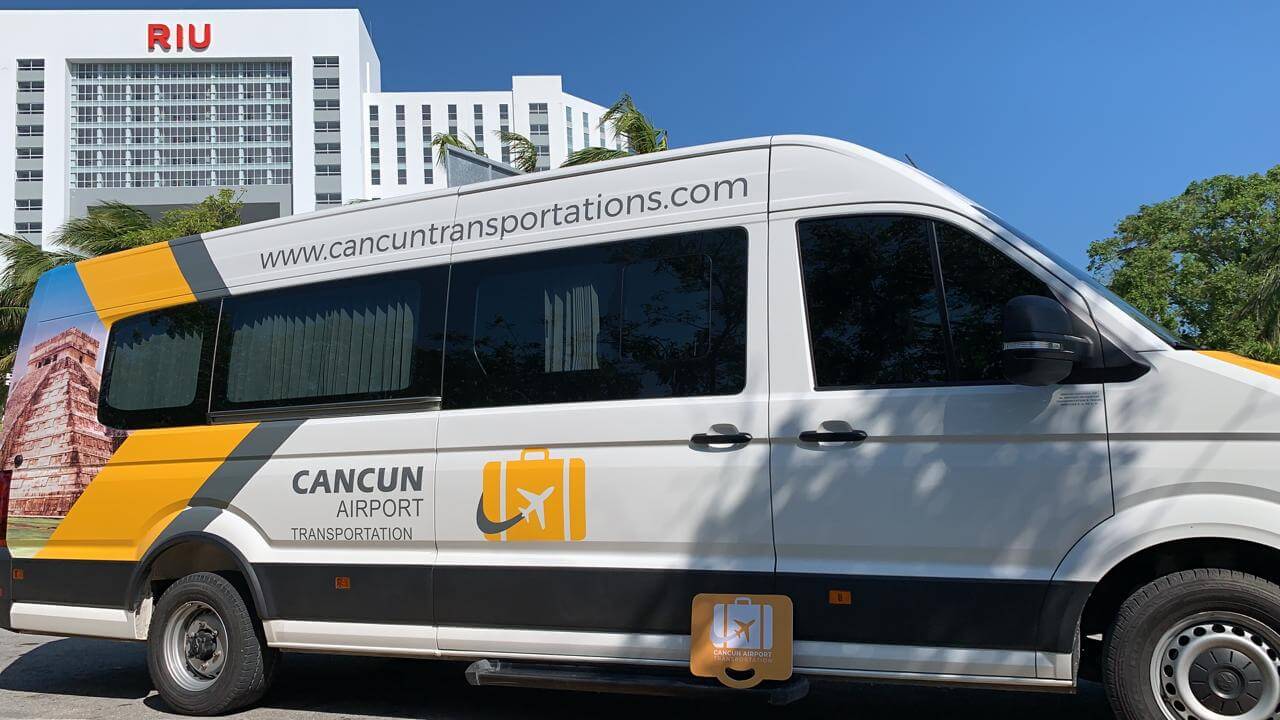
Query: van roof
{"points": [[883, 162]]}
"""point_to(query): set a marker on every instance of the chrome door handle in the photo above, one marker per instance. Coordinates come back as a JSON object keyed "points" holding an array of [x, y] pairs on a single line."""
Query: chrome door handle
{"points": [[817, 436], [729, 439]]}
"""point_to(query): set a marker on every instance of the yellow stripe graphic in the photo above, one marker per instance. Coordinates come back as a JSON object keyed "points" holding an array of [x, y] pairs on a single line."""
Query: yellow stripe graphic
{"points": [[134, 281], [148, 481], [1244, 362]]}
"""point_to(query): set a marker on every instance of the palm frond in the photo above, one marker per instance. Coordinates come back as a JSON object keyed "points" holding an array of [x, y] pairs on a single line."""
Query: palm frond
{"points": [[107, 228], [524, 153], [593, 154], [637, 133], [443, 141]]}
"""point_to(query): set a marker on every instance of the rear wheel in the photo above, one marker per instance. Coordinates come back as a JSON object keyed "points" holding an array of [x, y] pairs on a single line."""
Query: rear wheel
{"points": [[205, 651], [1197, 645]]}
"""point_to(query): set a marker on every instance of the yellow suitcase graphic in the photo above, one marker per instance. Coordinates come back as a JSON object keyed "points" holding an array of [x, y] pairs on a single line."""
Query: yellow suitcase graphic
{"points": [[549, 493]]}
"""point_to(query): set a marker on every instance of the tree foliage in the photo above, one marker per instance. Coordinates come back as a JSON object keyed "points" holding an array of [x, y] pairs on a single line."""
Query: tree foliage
{"points": [[638, 135], [107, 228], [1205, 263]]}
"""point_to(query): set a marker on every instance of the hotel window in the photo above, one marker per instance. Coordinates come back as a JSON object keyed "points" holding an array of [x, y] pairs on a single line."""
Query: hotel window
{"points": [[602, 142], [30, 153], [478, 111], [30, 108], [400, 113], [30, 86], [586, 131], [30, 205], [373, 113], [326, 104], [325, 61], [453, 119], [328, 147], [328, 170], [373, 135], [328, 126], [30, 175], [426, 115], [29, 64], [328, 199], [30, 131], [428, 177], [504, 123], [27, 228], [375, 176], [326, 83]]}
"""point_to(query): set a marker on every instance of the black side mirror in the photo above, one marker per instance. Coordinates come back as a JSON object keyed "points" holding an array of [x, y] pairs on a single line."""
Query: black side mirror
{"points": [[1039, 348]]}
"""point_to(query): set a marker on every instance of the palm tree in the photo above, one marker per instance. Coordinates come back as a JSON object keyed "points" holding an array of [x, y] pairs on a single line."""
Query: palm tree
{"points": [[443, 141], [630, 125], [524, 154], [1264, 304]]}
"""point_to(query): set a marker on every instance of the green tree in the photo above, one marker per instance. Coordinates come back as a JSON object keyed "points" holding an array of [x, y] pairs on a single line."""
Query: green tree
{"points": [[638, 133], [108, 228], [443, 141], [524, 153], [1205, 263]]}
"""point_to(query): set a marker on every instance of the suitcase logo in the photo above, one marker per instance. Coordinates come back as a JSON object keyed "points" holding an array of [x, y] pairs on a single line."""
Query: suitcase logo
{"points": [[535, 498], [741, 640], [742, 624]]}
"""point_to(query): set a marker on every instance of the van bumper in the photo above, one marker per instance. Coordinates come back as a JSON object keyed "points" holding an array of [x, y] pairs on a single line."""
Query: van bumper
{"points": [[6, 588]]}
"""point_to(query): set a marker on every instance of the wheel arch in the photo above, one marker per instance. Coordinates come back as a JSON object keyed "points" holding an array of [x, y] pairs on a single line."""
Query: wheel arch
{"points": [[189, 552]]}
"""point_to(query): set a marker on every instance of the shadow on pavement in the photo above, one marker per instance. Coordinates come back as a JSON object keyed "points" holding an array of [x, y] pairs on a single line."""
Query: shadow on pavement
{"points": [[402, 688]]}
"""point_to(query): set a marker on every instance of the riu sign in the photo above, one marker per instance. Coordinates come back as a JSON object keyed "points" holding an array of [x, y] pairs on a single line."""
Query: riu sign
{"points": [[176, 37]]}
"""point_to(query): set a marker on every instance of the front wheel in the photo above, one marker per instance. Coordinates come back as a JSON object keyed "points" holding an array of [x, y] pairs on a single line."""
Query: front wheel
{"points": [[205, 652], [1196, 645]]}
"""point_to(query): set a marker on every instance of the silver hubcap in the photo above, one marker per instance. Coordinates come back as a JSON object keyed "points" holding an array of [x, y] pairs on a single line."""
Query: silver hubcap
{"points": [[1217, 666], [195, 646]]}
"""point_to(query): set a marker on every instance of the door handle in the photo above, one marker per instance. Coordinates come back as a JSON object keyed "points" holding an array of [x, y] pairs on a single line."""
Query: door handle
{"points": [[817, 436], [728, 439]]}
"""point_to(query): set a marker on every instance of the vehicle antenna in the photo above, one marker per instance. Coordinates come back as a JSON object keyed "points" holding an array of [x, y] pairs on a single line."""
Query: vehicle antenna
{"points": [[913, 162]]}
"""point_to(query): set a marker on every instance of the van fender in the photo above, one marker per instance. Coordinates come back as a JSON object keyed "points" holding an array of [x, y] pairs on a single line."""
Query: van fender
{"points": [[1211, 511], [193, 526]]}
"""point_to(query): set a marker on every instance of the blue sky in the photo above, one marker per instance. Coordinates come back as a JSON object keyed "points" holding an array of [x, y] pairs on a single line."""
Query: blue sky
{"points": [[1062, 117]]}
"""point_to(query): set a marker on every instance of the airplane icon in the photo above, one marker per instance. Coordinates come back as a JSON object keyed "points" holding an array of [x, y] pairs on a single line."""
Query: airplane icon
{"points": [[536, 503], [744, 630]]}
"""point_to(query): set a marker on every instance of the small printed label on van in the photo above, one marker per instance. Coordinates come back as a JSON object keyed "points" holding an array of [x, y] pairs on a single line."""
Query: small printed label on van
{"points": [[1079, 399]]}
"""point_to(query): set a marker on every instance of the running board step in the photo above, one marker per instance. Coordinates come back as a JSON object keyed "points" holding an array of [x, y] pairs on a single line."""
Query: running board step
{"points": [[627, 680]]}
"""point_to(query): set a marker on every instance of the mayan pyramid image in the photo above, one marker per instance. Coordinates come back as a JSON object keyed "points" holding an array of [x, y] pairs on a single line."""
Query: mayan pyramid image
{"points": [[51, 423]]}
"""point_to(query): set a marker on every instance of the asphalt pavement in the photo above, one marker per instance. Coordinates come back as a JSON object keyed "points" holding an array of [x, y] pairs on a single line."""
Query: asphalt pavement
{"points": [[78, 678]]}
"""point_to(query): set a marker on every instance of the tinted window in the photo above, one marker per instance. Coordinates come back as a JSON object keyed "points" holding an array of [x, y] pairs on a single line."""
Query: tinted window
{"points": [[368, 339], [638, 319], [979, 280], [872, 302], [156, 372]]}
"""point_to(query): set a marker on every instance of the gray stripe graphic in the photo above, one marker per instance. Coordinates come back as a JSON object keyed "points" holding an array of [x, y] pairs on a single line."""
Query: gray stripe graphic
{"points": [[197, 267], [244, 461], [217, 492]]}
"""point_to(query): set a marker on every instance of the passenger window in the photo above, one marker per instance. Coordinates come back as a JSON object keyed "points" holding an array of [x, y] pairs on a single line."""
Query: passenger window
{"points": [[651, 318], [368, 339], [871, 301], [979, 280], [875, 309], [156, 370]]}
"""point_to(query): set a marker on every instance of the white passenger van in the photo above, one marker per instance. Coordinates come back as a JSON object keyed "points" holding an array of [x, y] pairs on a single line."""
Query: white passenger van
{"points": [[528, 421]]}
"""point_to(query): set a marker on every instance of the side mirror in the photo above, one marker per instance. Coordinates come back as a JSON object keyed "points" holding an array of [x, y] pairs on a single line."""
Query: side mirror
{"points": [[1039, 348]]}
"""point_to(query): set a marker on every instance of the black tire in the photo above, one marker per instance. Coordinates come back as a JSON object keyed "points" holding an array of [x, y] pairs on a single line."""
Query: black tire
{"points": [[1188, 619], [247, 665]]}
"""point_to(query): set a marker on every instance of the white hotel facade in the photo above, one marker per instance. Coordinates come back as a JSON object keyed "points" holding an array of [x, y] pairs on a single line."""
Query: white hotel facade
{"points": [[159, 108]]}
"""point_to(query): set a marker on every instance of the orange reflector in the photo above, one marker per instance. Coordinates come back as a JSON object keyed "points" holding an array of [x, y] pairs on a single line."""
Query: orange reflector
{"points": [[342, 583], [18, 574], [839, 597]]}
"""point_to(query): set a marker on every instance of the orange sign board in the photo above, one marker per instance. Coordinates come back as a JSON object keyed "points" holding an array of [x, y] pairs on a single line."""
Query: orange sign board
{"points": [[741, 640]]}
